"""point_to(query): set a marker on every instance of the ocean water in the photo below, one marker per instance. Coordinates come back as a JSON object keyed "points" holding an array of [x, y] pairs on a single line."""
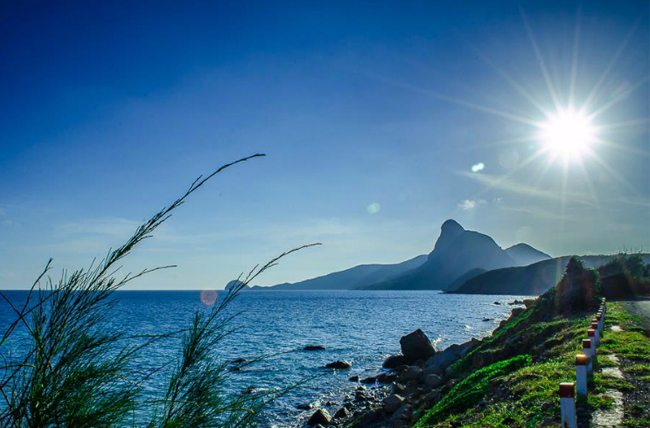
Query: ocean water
{"points": [[362, 327]]}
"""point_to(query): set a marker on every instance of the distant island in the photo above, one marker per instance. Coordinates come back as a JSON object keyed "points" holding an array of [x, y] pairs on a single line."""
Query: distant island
{"points": [[462, 261]]}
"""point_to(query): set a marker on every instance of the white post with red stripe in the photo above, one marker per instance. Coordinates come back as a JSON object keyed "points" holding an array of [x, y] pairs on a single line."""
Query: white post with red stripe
{"points": [[592, 333], [568, 405], [582, 361], [589, 352]]}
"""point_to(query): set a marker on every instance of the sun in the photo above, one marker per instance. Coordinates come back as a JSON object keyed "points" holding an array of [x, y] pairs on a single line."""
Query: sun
{"points": [[567, 134]]}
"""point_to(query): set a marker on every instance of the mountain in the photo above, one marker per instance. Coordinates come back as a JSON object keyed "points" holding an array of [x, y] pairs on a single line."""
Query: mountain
{"points": [[524, 254], [458, 252], [527, 280], [352, 278], [236, 283], [466, 277]]}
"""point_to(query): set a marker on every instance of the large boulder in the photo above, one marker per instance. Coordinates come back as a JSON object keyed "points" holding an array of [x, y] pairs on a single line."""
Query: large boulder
{"points": [[410, 373], [440, 361], [394, 361], [416, 346], [320, 417], [433, 380], [386, 377]]}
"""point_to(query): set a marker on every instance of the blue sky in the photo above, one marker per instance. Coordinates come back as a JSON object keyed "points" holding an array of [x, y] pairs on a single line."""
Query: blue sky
{"points": [[380, 121]]}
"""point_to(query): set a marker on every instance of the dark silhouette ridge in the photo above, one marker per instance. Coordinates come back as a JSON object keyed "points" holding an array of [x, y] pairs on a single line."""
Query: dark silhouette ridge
{"points": [[534, 279], [458, 253], [352, 278], [457, 256]]}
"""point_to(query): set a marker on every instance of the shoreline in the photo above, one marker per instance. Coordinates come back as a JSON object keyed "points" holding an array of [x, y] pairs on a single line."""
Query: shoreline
{"points": [[405, 382]]}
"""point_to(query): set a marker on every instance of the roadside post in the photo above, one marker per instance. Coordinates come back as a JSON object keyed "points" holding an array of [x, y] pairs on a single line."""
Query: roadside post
{"points": [[568, 405], [582, 361]]}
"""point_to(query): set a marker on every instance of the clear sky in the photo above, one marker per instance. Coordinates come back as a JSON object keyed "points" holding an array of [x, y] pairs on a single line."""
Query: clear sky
{"points": [[380, 121]]}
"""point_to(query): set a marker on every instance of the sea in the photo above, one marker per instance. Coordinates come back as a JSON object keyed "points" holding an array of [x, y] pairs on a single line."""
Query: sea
{"points": [[273, 327]]}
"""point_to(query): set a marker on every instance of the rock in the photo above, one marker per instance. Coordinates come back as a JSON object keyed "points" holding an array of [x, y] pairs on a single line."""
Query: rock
{"points": [[369, 379], [516, 311], [321, 417], [497, 303], [397, 388], [392, 402], [305, 406], [341, 413], [529, 302], [402, 414], [416, 345], [386, 377], [354, 378], [440, 361], [411, 373], [338, 365], [432, 397], [467, 346], [394, 361], [239, 361], [314, 348], [433, 380], [487, 319], [516, 302]]}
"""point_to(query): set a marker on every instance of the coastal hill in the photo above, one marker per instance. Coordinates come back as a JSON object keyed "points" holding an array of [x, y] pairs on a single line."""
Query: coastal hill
{"points": [[350, 279], [534, 279], [510, 378], [460, 253], [526, 255]]}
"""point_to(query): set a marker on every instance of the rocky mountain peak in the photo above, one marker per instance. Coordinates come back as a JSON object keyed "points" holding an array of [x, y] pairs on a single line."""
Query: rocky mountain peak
{"points": [[451, 226]]}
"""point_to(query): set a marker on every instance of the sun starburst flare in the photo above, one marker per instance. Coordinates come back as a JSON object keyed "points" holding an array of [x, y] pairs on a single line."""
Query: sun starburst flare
{"points": [[567, 134]]}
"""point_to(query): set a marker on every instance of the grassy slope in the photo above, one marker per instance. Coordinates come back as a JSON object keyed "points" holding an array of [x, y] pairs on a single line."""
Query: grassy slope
{"points": [[632, 347], [525, 395]]}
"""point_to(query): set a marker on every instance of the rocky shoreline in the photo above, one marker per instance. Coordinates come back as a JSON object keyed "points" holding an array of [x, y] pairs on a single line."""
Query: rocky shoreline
{"points": [[414, 379]]}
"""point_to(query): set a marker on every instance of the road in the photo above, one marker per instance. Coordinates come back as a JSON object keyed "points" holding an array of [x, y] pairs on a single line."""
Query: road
{"points": [[640, 308]]}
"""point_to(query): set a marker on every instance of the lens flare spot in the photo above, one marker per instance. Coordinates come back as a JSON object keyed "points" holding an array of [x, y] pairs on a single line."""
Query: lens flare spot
{"points": [[208, 297], [478, 167], [373, 208]]}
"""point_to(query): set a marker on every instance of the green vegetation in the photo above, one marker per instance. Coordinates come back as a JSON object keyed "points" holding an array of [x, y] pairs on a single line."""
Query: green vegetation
{"points": [[632, 349], [491, 391], [625, 275], [75, 372], [577, 290], [472, 388]]}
